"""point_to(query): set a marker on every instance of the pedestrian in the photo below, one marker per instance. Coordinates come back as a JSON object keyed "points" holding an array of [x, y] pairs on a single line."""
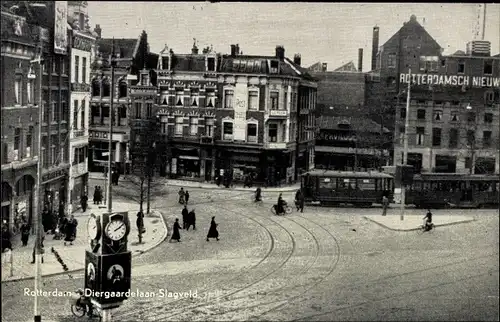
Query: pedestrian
{"points": [[218, 180], [6, 238], [212, 232], [191, 220], [186, 197], [96, 195], [25, 233], [299, 201], [70, 230], [140, 222], [185, 213], [176, 234], [181, 196], [385, 205], [83, 201]]}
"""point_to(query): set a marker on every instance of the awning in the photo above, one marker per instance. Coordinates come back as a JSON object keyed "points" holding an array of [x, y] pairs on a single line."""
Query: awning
{"points": [[188, 157]]}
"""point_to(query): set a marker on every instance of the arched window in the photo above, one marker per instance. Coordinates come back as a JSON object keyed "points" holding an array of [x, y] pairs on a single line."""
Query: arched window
{"points": [[106, 88], [96, 88], [122, 89], [6, 192], [24, 185]]}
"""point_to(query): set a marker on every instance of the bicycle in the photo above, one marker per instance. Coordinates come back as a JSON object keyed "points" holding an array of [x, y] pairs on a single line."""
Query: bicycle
{"points": [[287, 208], [424, 228], [81, 309]]}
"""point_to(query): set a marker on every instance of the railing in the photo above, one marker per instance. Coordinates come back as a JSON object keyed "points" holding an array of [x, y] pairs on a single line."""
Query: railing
{"points": [[78, 133]]}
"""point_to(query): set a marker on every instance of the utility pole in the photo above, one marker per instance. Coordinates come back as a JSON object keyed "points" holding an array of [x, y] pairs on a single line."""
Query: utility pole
{"points": [[39, 200], [106, 313], [405, 146]]}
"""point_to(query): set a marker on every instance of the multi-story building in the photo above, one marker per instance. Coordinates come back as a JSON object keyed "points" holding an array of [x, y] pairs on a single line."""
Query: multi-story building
{"points": [[82, 46], [454, 102], [236, 114], [129, 57], [47, 22]]}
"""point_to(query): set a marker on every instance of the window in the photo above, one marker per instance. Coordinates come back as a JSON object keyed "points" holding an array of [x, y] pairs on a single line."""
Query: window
{"points": [[211, 64], [79, 155], [443, 62], [193, 125], [209, 127], [179, 125], [401, 134], [149, 110], [82, 115], [436, 137], [84, 70], [252, 133], [471, 138], [54, 65], [438, 115], [64, 111], [29, 141], [53, 149], [164, 125], [75, 114], [274, 68], [487, 139], [283, 132], [106, 88], [294, 102], [63, 67], [421, 114], [489, 97], [77, 69], [96, 114], [402, 112], [138, 110], [30, 90], [286, 101], [227, 131], [454, 117], [420, 135], [488, 118], [471, 117], [488, 67], [253, 100], [228, 98], [210, 99], [194, 97], [17, 143], [429, 63], [179, 98], [122, 89], [273, 132], [274, 100], [96, 88], [461, 67], [18, 89], [453, 138], [391, 61], [54, 112]]}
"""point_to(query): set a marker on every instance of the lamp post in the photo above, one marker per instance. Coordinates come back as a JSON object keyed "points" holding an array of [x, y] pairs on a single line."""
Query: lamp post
{"points": [[405, 146], [471, 145]]}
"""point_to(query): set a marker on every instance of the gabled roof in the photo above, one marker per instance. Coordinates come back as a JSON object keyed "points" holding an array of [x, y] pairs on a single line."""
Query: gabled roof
{"points": [[459, 53], [357, 123], [126, 47], [349, 67], [412, 26]]}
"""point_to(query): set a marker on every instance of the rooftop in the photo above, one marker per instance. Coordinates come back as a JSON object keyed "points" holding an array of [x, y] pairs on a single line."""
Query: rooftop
{"points": [[126, 47], [356, 123]]}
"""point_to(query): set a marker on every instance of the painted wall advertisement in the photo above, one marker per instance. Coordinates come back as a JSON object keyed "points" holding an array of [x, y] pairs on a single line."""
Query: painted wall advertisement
{"points": [[60, 28], [240, 112], [450, 80]]}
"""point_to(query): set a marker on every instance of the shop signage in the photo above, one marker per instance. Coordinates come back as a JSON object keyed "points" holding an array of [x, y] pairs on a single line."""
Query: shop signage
{"points": [[81, 43], [278, 112], [450, 80], [54, 174], [244, 158]]}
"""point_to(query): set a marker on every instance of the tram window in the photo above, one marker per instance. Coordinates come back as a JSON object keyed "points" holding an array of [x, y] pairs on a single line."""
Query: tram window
{"points": [[366, 184], [327, 183]]}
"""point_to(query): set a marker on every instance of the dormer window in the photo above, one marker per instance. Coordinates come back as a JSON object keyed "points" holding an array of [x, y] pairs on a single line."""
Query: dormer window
{"points": [[211, 64], [274, 66], [165, 63]]}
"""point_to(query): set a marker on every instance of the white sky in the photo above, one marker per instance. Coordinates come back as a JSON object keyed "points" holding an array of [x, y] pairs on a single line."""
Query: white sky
{"points": [[327, 32]]}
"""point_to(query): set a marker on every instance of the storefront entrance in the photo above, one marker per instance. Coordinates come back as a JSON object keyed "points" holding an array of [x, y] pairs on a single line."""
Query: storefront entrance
{"points": [[23, 208], [6, 202], [185, 164]]}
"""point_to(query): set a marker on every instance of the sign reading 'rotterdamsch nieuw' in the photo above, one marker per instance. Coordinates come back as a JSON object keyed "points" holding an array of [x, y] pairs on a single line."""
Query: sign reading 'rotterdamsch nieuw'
{"points": [[450, 80]]}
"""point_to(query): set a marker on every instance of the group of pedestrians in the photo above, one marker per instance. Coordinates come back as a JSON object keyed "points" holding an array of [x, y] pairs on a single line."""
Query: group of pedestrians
{"points": [[183, 196]]}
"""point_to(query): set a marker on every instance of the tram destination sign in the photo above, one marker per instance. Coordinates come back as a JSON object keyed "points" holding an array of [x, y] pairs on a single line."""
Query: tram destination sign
{"points": [[450, 80]]}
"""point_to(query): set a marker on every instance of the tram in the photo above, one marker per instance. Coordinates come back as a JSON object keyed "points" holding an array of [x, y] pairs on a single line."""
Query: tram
{"points": [[330, 188], [439, 190]]}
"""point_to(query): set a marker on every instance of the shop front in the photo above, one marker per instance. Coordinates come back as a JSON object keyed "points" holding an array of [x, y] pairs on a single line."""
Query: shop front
{"points": [[23, 200], [278, 166], [239, 163], [80, 186], [54, 187], [185, 163], [6, 203]]}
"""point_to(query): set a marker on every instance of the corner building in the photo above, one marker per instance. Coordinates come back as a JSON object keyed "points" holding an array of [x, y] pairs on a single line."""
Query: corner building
{"points": [[236, 114]]}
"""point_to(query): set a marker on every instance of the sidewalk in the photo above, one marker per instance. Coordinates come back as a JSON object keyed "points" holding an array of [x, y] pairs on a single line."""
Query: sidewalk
{"points": [[205, 185], [74, 255], [413, 222]]}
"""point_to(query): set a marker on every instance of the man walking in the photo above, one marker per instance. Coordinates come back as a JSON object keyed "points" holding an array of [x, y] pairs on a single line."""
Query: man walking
{"points": [[191, 220], [185, 213], [385, 205], [176, 234]]}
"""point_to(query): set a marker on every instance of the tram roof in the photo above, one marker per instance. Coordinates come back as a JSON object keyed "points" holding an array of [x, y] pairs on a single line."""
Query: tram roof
{"points": [[347, 174], [456, 177]]}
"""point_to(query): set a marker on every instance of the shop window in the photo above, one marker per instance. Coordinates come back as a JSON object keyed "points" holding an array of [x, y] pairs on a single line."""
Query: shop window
{"points": [[436, 137], [391, 61], [179, 98], [209, 127], [96, 88], [471, 138], [252, 133], [228, 98], [122, 89], [273, 132], [488, 118], [253, 100], [274, 100], [438, 115], [179, 125], [453, 143], [194, 97], [193, 125], [227, 131], [77, 70], [420, 135], [488, 67], [210, 99], [487, 139]]}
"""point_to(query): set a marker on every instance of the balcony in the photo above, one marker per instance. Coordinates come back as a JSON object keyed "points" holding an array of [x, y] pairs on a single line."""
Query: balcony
{"points": [[78, 133], [278, 113], [276, 145], [79, 169], [78, 87]]}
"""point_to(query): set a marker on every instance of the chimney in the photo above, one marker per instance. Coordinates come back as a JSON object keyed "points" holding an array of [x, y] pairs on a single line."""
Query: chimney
{"points": [[360, 59], [323, 67], [98, 30], [194, 50], [237, 52], [375, 47], [297, 59], [233, 50], [280, 52]]}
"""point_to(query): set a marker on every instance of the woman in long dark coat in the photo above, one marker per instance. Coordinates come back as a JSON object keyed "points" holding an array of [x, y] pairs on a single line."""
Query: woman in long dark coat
{"points": [[212, 232], [25, 233], [69, 232], [176, 234]]}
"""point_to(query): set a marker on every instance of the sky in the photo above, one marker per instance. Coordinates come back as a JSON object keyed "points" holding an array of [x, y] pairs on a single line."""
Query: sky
{"points": [[325, 32]]}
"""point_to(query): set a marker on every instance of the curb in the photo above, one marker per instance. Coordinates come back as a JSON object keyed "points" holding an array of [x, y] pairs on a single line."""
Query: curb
{"points": [[414, 229], [161, 240]]}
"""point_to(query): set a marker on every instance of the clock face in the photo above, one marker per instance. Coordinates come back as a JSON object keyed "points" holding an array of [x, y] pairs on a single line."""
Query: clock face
{"points": [[92, 227], [116, 230]]}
